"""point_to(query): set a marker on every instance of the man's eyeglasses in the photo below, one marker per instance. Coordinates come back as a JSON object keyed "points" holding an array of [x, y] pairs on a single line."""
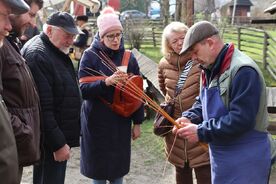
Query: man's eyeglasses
{"points": [[112, 37]]}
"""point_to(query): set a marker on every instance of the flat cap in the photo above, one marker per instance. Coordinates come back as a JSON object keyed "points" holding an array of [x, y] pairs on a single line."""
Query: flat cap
{"points": [[65, 21], [198, 32], [17, 6]]}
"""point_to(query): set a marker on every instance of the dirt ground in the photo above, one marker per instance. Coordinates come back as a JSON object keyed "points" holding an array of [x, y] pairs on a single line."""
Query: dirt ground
{"points": [[145, 169]]}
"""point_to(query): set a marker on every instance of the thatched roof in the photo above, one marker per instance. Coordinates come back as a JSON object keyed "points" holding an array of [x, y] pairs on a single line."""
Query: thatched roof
{"points": [[271, 9]]}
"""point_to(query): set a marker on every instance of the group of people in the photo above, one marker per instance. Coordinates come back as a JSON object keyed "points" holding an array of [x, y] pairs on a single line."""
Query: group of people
{"points": [[38, 100], [45, 106], [229, 112], [41, 98]]}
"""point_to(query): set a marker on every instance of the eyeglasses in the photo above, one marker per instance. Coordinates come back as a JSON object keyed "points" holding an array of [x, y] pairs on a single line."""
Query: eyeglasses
{"points": [[112, 37]]}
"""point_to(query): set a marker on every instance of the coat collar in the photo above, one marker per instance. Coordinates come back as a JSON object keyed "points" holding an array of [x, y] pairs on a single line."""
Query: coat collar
{"points": [[176, 59], [46, 39]]}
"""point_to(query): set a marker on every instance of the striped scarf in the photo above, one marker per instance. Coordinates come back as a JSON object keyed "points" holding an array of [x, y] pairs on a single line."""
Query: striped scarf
{"points": [[183, 76]]}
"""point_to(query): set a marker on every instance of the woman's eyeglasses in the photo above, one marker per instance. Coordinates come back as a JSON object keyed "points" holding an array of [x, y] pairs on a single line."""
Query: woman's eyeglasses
{"points": [[112, 37]]}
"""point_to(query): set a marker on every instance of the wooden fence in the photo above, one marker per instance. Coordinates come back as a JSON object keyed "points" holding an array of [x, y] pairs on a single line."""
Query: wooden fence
{"points": [[257, 43], [146, 32]]}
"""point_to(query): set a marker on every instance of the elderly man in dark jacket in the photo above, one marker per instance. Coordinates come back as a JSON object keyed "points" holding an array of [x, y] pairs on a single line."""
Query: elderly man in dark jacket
{"points": [[18, 89], [52, 68]]}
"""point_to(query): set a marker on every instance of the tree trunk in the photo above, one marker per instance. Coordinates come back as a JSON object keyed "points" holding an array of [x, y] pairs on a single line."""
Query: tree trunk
{"points": [[190, 13], [147, 2], [211, 6], [187, 12], [165, 12], [177, 14], [183, 12]]}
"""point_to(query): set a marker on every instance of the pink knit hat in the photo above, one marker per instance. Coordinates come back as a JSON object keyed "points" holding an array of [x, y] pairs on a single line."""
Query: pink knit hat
{"points": [[108, 21]]}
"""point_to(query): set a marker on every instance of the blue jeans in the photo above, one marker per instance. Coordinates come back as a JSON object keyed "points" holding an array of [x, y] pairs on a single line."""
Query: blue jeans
{"points": [[116, 181], [49, 171]]}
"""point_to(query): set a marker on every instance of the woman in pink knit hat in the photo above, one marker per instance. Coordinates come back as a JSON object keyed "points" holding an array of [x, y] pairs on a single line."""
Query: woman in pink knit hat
{"points": [[106, 135]]}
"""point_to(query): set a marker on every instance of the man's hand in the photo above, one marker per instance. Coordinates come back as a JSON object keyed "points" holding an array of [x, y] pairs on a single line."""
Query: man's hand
{"points": [[187, 131], [62, 154], [136, 131]]}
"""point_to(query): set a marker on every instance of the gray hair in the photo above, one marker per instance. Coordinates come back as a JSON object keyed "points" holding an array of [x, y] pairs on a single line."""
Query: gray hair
{"points": [[45, 27], [177, 27]]}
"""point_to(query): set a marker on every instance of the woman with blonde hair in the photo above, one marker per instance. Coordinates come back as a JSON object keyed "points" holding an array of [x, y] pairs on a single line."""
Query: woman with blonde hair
{"points": [[178, 74]]}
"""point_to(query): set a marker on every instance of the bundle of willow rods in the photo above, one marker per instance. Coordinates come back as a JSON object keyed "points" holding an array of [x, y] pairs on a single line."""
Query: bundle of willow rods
{"points": [[134, 91]]}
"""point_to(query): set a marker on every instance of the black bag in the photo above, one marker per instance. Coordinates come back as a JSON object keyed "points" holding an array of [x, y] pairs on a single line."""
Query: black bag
{"points": [[162, 126]]}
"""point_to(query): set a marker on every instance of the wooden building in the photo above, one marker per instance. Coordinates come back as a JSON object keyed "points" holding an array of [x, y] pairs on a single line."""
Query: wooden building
{"points": [[242, 12], [271, 20]]}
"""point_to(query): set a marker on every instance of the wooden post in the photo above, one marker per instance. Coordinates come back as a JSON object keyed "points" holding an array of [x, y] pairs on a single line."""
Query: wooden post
{"points": [[239, 38], [66, 5], [153, 37], [265, 50]]}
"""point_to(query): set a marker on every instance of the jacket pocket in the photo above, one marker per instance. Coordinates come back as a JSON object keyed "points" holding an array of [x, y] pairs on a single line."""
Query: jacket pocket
{"points": [[26, 125]]}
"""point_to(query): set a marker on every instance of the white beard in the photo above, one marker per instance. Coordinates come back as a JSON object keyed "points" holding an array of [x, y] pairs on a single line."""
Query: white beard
{"points": [[65, 50], [1, 43]]}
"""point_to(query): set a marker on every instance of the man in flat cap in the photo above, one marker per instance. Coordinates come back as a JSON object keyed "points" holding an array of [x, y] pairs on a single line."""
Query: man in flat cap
{"points": [[56, 81], [231, 112], [17, 86], [8, 156]]}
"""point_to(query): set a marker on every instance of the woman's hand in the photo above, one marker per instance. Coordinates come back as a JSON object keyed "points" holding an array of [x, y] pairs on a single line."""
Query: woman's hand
{"points": [[115, 78], [136, 131]]}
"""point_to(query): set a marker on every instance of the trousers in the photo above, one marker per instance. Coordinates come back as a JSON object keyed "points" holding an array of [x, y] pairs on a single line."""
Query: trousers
{"points": [[185, 175], [49, 171]]}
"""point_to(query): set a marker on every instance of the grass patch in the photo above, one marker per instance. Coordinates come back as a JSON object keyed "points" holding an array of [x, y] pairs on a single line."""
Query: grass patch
{"points": [[154, 53], [150, 143]]}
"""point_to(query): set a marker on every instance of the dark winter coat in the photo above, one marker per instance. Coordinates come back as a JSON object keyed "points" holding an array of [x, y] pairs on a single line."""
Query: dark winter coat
{"points": [[18, 90], [106, 136], [58, 91], [169, 70], [8, 156]]}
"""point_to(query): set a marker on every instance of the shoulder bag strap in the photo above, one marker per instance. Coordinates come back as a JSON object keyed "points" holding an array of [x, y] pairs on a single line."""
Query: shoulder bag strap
{"points": [[126, 57]]}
